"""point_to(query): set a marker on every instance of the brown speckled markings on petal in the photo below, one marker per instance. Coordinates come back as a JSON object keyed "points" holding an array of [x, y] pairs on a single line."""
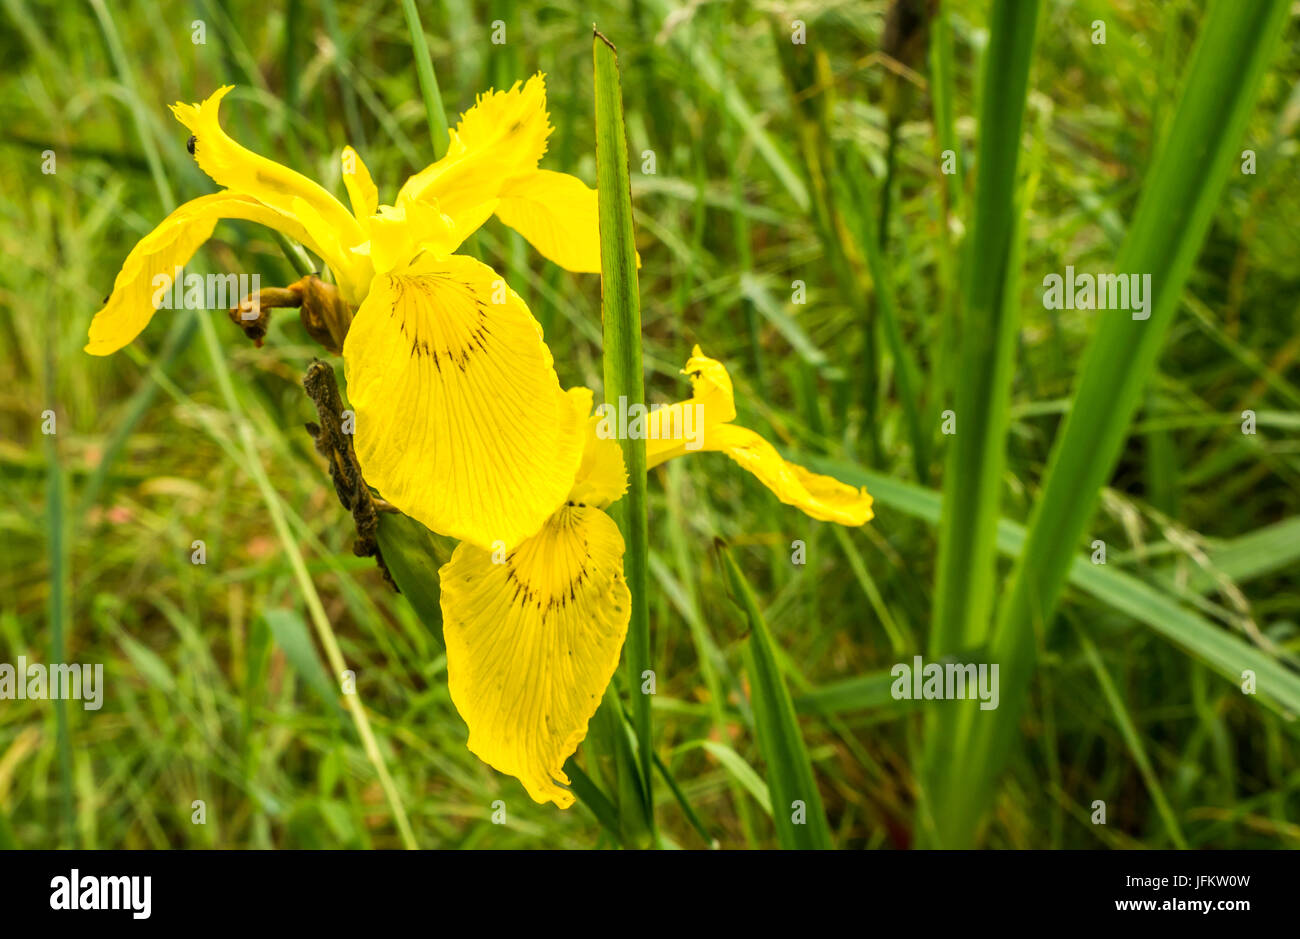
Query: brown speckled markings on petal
{"points": [[461, 423], [532, 643]]}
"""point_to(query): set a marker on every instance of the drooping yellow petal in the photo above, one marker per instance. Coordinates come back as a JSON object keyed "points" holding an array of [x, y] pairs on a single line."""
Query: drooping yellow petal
{"points": [[133, 301], [822, 497], [703, 423], [533, 641], [601, 478], [502, 137], [277, 186], [460, 421], [558, 215]]}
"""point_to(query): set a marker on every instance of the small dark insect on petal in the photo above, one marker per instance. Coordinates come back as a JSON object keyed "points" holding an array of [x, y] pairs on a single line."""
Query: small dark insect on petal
{"points": [[189, 144]]}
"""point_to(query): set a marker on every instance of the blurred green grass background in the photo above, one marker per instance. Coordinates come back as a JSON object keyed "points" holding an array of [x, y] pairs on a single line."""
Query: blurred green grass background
{"points": [[214, 689]]}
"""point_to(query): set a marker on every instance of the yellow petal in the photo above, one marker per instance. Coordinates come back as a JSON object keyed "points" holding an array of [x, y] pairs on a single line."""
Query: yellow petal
{"points": [[512, 124], [533, 641], [711, 387], [679, 428], [362, 191], [274, 185], [460, 422], [702, 422], [601, 478], [558, 215], [466, 221], [398, 233], [131, 305], [501, 137], [822, 497]]}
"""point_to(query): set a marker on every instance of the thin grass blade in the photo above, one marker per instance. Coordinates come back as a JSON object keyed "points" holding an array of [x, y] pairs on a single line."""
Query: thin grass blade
{"points": [[434, 112]]}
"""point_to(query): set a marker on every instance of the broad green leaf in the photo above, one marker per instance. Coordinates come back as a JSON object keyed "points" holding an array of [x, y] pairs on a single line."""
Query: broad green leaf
{"points": [[149, 664], [860, 693], [754, 291], [1173, 214], [740, 770]]}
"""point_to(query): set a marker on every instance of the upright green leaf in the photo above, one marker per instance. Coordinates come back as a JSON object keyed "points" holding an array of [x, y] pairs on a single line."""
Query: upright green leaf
{"points": [[854, 190], [1172, 217], [972, 481], [624, 378], [790, 777]]}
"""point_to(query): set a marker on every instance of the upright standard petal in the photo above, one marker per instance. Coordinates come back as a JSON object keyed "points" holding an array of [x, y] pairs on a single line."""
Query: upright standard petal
{"points": [[533, 642], [703, 423], [460, 421], [503, 136], [711, 386], [491, 166], [154, 260], [362, 191]]}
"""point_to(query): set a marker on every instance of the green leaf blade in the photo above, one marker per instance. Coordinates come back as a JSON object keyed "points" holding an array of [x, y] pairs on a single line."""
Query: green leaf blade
{"points": [[1171, 220], [789, 770], [624, 377]]}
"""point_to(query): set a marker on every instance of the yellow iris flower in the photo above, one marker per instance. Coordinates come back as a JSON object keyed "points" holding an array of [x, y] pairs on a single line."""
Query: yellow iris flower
{"points": [[534, 637], [460, 419]]}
